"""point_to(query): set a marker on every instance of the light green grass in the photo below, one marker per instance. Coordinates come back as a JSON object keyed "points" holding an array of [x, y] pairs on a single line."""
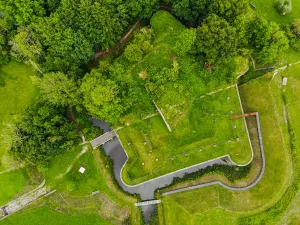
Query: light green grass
{"points": [[15, 97], [10, 184], [264, 97], [266, 9], [59, 165], [200, 135], [44, 215], [91, 180]]}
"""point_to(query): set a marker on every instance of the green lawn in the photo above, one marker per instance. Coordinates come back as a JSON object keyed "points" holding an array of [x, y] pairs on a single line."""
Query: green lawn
{"points": [[44, 215], [265, 97], [15, 96], [202, 134], [16, 93], [11, 183], [266, 8]]}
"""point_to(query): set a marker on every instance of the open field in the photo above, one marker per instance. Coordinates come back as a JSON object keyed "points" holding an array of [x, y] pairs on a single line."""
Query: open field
{"points": [[265, 97], [16, 94], [205, 133], [47, 216], [266, 9]]}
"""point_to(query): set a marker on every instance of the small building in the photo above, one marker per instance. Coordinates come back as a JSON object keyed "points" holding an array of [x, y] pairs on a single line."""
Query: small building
{"points": [[284, 81], [82, 169]]}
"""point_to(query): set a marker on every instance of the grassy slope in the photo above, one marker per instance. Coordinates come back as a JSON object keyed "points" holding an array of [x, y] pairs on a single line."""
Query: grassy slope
{"points": [[15, 97], [264, 98], [266, 9], [190, 143], [190, 117], [45, 215], [292, 94]]}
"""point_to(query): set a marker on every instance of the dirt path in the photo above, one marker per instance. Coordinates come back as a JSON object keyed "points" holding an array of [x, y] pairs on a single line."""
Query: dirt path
{"points": [[102, 54]]}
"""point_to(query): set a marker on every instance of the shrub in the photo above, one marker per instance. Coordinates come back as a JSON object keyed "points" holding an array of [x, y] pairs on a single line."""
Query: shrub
{"points": [[283, 6]]}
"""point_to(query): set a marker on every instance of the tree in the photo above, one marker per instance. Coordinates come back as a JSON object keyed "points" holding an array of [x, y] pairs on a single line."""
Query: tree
{"points": [[296, 27], [267, 40], [26, 45], [230, 10], [283, 6], [192, 12], [43, 133], [105, 98], [23, 11], [186, 41], [58, 89], [6, 28], [216, 39], [140, 45], [133, 53]]}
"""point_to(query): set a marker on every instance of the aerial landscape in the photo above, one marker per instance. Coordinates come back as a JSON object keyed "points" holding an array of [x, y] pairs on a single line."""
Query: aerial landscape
{"points": [[159, 112]]}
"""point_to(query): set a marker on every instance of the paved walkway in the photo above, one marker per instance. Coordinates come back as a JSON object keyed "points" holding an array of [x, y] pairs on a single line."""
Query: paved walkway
{"points": [[26, 199]]}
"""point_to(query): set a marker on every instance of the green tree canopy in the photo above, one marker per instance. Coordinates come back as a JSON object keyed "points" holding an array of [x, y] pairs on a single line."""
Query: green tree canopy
{"points": [[23, 12], [186, 41], [267, 40], [105, 98], [26, 45], [43, 133], [58, 89], [216, 39]]}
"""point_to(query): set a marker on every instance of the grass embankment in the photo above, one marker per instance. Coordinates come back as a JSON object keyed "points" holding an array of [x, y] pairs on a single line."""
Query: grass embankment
{"points": [[200, 127], [73, 199], [16, 93], [205, 133], [265, 97]]}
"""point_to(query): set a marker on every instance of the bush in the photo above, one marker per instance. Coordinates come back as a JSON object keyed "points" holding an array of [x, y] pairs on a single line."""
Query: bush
{"points": [[283, 6]]}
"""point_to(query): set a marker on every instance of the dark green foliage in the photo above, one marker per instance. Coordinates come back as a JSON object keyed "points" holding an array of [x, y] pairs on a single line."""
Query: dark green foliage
{"points": [[192, 12], [216, 39], [233, 173], [154, 219], [230, 10], [43, 133], [6, 27], [23, 12]]}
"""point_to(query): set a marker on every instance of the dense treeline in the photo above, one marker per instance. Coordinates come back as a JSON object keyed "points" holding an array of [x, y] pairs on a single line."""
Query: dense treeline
{"points": [[60, 35]]}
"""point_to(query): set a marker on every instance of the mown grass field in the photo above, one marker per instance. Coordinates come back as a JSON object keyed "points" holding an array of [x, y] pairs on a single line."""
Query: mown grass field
{"points": [[220, 206], [204, 133]]}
